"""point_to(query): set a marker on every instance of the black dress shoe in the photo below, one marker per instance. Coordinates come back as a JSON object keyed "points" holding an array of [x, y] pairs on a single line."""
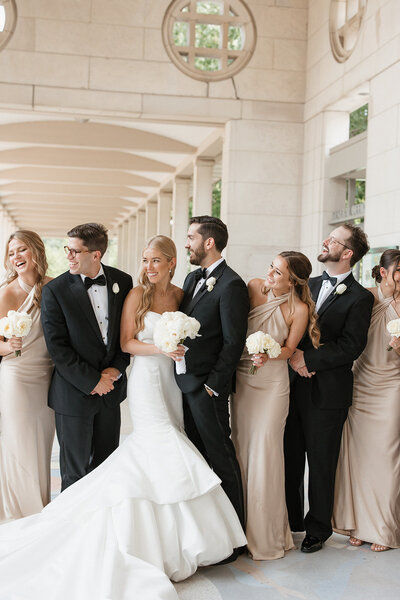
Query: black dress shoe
{"points": [[311, 544], [232, 557]]}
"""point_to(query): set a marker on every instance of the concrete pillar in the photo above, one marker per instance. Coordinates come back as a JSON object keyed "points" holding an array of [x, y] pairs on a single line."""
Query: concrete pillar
{"points": [[119, 252], [202, 186], [180, 220], [124, 248], [164, 209], [151, 218], [139, 239], [132, 266]]}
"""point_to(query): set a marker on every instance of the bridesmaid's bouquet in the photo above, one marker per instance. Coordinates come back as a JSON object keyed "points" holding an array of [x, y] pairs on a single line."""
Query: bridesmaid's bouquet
{"points": [[393, 328], [262, 343], [16, 324], [171, 330]]}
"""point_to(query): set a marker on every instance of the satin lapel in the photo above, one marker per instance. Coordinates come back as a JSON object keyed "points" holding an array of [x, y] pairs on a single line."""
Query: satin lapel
{"points": [[83, 303], [112, 306], [216, 273], [333, 296], [315, 286]]}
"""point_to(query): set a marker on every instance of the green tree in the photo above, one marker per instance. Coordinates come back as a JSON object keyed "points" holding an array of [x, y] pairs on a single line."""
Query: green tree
{"points": [[358, 121]]}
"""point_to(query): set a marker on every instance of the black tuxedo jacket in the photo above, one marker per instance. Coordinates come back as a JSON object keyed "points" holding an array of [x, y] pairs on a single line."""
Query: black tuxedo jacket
{"points": [[344, 321], [75, 344], [222, 313]]}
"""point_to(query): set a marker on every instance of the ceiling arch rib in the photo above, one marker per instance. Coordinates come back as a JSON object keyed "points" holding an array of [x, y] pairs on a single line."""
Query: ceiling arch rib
{"points": [[73, 189], [91, 135], [78, 158], [71, 175]]}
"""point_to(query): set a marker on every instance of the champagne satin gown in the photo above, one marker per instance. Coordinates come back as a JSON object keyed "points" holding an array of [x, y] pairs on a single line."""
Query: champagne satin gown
{"points": [[259, 409], [367, 492], [26, 422]]}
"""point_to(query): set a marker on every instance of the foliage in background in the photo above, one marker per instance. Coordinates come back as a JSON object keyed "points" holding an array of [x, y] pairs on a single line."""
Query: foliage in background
{"points": [[208, 35], [58, 262], [358, 121]]}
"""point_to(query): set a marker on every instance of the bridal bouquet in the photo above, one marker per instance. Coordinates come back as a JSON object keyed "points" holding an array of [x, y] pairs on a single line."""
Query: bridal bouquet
{"points": [[393, 328], [171, 330], [16, 324], [262, 343]]}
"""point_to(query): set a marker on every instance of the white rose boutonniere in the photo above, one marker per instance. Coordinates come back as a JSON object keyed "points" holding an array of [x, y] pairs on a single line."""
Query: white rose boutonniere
{"points": [[341, 288], [115, 288], [211, 281]]}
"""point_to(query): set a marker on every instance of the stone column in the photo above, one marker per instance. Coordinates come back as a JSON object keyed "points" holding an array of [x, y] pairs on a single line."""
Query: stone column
{"points": [[132, 246], [151, 218], [139, 238], [120, 252], [260, 202], [382, 214], [202, 186], [125, 247], [164, 209], [180, 220]]}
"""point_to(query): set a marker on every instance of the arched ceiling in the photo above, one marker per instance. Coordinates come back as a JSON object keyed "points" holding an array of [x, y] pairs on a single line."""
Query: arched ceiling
{"points": [[57, 173]]}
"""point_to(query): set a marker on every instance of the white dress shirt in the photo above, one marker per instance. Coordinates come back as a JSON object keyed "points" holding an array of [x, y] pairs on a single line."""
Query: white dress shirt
{"points": [[209, 270], [98, 296], [327, 287]]}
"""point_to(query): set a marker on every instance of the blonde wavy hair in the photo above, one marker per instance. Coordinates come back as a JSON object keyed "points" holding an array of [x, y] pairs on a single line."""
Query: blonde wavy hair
{"points": [[299, 268], [168, 249], [36, 246]]}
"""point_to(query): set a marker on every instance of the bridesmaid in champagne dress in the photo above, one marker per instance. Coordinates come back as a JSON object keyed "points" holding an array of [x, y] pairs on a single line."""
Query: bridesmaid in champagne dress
{"points": [[367, 492], [281, 306], [26, 422]]}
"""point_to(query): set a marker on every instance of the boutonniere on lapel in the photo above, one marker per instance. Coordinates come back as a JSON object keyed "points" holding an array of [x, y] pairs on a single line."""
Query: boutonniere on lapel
{"points": [[210, 282], [341, 288], [115, 288]]}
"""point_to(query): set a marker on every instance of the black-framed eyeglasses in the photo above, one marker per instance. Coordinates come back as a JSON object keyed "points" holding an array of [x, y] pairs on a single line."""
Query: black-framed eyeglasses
{"points": [[333, 239], [73, 252]]}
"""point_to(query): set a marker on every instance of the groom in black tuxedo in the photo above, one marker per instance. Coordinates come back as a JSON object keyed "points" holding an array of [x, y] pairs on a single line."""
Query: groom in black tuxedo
{"points": [[81, 313], [217, 297], [322, 384]]}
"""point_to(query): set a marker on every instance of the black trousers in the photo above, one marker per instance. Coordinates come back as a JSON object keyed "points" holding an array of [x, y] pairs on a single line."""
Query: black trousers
{"points": [[85, 441], [207, 426], [316, 432]]}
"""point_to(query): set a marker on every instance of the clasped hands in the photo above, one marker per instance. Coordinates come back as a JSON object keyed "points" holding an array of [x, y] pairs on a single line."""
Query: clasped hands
{"points": [[298, 364], [106, 383]]}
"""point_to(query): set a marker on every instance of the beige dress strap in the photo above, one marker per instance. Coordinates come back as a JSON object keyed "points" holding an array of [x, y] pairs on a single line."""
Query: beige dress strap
{"points": [[28, 302], [260, 314]]}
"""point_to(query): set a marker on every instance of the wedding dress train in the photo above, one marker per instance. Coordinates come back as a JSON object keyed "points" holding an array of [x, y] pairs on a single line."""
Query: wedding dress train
{"points": [[154, 499]]}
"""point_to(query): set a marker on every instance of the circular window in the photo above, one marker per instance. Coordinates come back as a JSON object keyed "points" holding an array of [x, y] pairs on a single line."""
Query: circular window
{"points": [[344, 26], [8, 20], [209, 41]]}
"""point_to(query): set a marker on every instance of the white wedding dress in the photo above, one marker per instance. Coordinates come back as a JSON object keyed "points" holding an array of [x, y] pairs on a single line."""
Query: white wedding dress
{"points": [[153, 507]]}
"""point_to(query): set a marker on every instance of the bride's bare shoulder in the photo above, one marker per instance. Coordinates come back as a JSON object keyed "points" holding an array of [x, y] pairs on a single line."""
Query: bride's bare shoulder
{"points": [[178, 293]]}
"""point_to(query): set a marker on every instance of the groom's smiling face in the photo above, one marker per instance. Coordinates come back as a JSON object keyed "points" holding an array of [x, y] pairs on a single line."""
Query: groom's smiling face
{"points": [[195, 245], [84, 261]]}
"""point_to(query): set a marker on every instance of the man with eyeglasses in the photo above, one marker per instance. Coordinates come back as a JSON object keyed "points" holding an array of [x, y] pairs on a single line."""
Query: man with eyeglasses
{"points": [[322, 384], [81, 313]]}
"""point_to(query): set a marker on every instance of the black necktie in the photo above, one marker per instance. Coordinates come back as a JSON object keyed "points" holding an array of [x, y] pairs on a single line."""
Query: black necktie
{"points": [[200, 274], [100, 280], [326, 277]]}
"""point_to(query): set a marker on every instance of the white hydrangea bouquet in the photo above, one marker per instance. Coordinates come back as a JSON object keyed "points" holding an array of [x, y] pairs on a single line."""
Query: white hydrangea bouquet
{"points": [[262, 343], [171, 330], [393, 328], [17, 324]]}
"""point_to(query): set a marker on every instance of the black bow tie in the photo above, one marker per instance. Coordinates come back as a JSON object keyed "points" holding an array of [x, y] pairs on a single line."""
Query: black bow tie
{"points": [[100, 280], [200, 274], [326, 277]]}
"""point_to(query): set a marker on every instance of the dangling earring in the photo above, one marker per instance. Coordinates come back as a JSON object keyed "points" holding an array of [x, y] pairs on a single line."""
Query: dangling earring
{"points": [[170, 271]]}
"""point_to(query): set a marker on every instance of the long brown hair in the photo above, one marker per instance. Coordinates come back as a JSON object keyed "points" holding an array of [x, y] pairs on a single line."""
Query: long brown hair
{"points": [[168, 249], [36, 246], [300, 268], [388, 258]]}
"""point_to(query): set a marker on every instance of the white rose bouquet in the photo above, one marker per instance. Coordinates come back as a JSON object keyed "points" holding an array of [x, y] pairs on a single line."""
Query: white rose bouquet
{"points": [[16, 324], [171, 330], [262, 343], [393, 328]]}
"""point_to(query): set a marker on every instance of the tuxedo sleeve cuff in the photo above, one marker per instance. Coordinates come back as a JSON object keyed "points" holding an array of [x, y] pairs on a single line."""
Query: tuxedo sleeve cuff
{"points": [[211, 390]]}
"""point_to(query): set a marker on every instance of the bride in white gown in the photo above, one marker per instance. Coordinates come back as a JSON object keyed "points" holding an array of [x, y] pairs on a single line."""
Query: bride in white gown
{"points": [[153, 506]]}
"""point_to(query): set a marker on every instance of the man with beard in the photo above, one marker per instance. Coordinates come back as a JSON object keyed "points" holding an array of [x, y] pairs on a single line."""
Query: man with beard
{"points": [[217, 297], [322, 384]]}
